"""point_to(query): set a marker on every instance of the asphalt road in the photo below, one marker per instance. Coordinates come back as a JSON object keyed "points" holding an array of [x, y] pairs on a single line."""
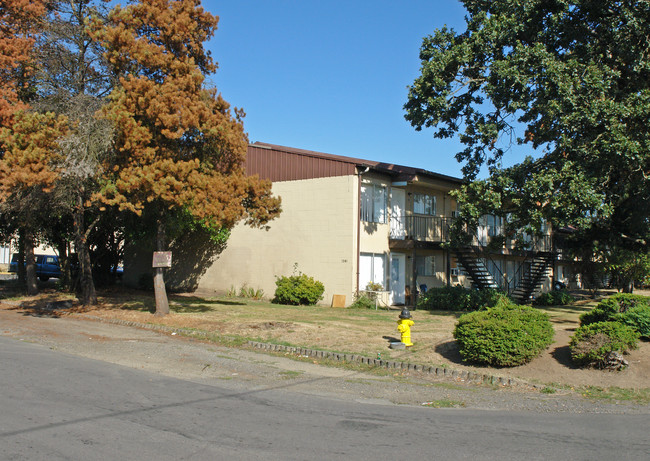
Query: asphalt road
{"points": [[56, 406]]}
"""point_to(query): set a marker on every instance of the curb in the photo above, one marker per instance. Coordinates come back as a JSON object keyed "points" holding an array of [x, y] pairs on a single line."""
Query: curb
{"points": [[439, 372]]}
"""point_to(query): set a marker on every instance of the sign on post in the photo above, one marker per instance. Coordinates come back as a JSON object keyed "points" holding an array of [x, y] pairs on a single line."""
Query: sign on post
{"points": [[162, 259]]}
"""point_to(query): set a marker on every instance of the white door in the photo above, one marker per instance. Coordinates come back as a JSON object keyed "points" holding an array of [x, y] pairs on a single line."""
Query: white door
{"points": [[398, 204], [397, 278]]}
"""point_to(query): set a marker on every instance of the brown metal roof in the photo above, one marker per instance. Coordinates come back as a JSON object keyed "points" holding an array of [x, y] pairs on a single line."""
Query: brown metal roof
{"points": [[280, 163]]}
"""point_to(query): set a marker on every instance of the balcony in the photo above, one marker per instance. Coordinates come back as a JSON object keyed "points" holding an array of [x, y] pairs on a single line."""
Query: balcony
{"points": [[435, 229]]}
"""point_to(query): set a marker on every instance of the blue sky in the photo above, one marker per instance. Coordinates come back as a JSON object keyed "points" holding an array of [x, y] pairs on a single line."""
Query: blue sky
{"points": [[332, 76]]}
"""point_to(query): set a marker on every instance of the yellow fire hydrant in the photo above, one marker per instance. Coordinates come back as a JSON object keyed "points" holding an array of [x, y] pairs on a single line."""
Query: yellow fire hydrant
{"points": [[404, 326]]}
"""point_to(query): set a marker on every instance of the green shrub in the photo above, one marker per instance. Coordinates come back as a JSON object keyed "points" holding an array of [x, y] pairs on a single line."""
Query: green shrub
{"points": [[591, 343], [505, 336], [609, 308], [603, 312], [363, 301], [298, 290], [460, 299], [554, 298], [627, 301], [637, 318]]}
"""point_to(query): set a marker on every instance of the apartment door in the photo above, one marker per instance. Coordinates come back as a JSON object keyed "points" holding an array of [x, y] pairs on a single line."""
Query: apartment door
{"points": [[397, 278], [398, 205]]}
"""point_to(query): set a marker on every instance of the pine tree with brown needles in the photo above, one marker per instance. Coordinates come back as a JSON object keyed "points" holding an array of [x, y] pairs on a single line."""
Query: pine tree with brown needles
{"points": [[179, 145]]}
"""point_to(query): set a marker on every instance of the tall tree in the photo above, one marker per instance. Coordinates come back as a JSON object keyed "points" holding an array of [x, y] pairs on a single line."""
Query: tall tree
{"points": [[19, 22], [28, 171], [20, 149], [180, 148], [570, 78], [73, 80]]}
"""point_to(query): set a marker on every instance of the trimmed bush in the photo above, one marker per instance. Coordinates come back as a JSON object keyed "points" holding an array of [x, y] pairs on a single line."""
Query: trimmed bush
{"points": [[591, 343], [609, 309], [460, 299], [627, 301], [505, 336], [554, 298], [637, 318], [298, 290]]}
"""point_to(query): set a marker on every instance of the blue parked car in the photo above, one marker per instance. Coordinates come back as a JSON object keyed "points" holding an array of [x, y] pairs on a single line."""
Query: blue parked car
{"points": [[47, 266]]}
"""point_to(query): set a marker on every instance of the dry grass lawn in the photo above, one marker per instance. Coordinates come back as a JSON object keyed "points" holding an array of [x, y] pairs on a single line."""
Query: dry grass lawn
{"points": [[366, 332]]}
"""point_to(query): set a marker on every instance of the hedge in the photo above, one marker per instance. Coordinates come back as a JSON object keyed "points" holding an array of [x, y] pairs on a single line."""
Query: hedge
{"points": [[460, 299], [609, 309], [505, 336], [554, 298]]}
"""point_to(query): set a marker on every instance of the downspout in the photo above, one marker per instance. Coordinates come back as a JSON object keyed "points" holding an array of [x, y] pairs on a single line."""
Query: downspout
{"points": [[359, 173]]}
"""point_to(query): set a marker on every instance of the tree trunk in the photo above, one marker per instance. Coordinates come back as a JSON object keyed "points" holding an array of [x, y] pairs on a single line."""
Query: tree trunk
{"points": [[162, 305], [88, 295], [64, 263], [21, 258], [628, 287], [30, 265]]}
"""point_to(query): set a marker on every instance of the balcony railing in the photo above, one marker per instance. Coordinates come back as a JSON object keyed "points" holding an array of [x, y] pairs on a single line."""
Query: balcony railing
{"points": [[435, 229], [421, 228]]}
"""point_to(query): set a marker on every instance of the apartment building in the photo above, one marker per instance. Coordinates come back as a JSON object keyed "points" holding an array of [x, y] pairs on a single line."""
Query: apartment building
{"points": [[349, 222]]}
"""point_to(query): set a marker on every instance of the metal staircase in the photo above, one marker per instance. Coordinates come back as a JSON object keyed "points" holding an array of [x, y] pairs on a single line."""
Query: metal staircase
{"points": [[532, 279], [475, 268], [472, 259]]}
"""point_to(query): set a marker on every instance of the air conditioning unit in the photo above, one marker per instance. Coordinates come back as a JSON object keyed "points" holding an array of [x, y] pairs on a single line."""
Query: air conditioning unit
{"points": [[455, 214], [454, 271]]}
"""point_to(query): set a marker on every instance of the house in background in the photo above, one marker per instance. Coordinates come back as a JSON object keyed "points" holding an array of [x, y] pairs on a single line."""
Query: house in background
{"points": [[348, 222]]}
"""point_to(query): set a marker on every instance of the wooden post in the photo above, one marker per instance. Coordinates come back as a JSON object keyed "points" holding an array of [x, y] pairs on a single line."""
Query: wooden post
{"points": [[160, 294]]}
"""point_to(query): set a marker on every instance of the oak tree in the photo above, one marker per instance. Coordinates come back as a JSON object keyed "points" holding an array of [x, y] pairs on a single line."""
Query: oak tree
{"points": [[568, 78], [179, 146]]}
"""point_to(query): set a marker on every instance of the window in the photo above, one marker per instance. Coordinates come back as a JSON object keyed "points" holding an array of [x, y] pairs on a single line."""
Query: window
{"points": [[491, 225], [372, 268], [373, 203], [424, 204], [425, 265]]}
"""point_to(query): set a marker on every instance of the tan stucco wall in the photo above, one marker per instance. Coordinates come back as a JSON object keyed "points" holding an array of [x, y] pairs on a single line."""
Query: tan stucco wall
{"points": [[317, 230]]}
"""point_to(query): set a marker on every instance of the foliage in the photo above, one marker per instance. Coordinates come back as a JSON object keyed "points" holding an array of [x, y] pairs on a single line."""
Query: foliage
{"points": [[626, 301], [363, 301], [554, 298], [179, 148], [28, 171], [551, 75], [628, 267], [372, 286], [457, 298], [638, 318], [30, 152], [249, 292], [504, 336], [609, 308], [298, 290], [591, 343], [19, 20], [179, 144]]}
